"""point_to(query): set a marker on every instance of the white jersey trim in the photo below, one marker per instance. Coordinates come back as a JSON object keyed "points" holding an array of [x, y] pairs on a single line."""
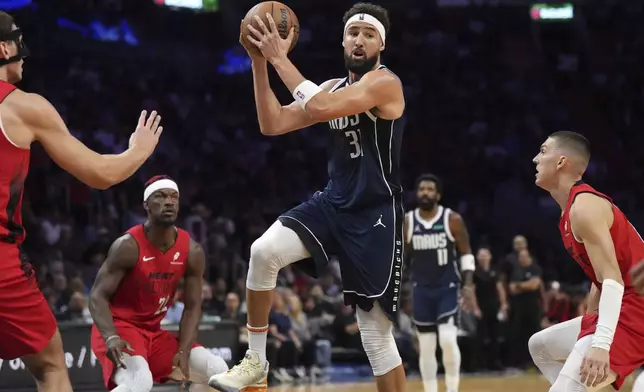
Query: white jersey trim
{"points": [[448, 230], [428, 223], [4, 133], [410, 226]]}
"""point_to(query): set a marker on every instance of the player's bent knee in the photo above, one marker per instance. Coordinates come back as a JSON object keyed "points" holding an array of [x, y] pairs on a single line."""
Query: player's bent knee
{"points": [[447, 334], [378, 340], [448, 340], [136, 375], [278, 247], [536, 345], [204, 364]]}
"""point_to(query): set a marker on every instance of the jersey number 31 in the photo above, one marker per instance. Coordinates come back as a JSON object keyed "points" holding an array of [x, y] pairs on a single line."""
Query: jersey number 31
{"points": [[355, 137]]}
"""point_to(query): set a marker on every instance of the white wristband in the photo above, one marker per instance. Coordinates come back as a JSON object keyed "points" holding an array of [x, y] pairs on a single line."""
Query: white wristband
{"points": [[111, 338], [304, 92], [610, 305], [468, 263]]}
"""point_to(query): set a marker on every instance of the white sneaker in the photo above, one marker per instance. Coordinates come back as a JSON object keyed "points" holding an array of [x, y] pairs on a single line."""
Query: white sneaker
{"points": [[248, 376]]}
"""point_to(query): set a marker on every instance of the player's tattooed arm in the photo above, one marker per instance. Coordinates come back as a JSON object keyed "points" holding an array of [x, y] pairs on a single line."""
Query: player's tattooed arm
{"points": [[193, 282], [462, 239], [122, 256]]}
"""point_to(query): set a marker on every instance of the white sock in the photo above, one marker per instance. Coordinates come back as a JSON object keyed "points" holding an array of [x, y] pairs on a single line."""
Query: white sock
{"points": [[257, 341], [428, 363]]}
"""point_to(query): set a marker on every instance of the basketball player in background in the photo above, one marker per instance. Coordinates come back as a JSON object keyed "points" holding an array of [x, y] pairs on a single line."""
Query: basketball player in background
{"points": [[605, 345], [434, 237], [359, 215], [132, 292], [27, 326]]}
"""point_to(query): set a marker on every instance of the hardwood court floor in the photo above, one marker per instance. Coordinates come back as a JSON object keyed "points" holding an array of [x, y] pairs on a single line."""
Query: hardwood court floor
{"points": [[522, 383]]}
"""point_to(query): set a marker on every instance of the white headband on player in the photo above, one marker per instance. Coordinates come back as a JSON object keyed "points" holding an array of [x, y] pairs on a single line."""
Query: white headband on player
{"points": [[165, 183], [368, 19]]}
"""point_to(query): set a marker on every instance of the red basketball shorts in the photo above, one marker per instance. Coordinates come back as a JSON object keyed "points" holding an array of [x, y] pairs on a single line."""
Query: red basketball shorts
{"points": [[26, 321], [157, 347], [626, 352]]}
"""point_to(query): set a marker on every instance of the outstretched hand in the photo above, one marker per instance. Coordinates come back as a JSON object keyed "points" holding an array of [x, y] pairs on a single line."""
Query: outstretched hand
{"points": [[147, 133]]}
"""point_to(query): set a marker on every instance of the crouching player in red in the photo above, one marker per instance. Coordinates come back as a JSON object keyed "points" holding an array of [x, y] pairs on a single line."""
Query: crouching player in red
{"points": [[131, 295]]}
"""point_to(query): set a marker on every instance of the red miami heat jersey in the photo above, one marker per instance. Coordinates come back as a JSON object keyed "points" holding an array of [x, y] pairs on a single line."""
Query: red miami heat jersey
{"points": [[13, 172], [147, 290], [629, 249]]}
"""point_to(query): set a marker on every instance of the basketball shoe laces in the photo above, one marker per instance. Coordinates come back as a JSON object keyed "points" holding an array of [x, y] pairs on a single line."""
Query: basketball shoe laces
{"points": [[248, 368]]}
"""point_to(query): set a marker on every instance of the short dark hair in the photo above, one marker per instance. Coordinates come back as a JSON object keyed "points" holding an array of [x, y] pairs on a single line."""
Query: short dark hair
{"points": [[6, 23], [374, 10], [433, 178], [574, 142]]}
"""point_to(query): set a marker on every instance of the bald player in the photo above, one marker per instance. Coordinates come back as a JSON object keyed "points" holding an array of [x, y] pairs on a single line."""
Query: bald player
{"points": [[27, 326], [605, 345]]}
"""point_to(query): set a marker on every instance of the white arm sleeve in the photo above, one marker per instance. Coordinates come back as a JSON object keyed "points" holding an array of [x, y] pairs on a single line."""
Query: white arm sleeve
{"points": [[610, 306]]}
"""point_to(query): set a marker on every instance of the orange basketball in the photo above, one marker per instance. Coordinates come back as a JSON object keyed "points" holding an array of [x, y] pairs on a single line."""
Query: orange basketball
{"points": [[283, 16]]}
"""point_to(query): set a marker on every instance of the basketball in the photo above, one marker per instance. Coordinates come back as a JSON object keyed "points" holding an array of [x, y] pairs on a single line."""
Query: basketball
{"points": [[283, 16]]}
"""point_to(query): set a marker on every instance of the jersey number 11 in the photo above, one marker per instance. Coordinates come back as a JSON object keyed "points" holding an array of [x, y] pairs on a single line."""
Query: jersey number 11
{"points": [[442, 257]]}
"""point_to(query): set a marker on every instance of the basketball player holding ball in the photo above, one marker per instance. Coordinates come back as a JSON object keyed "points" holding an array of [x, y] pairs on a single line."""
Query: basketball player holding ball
{"points": [[359, 215]]}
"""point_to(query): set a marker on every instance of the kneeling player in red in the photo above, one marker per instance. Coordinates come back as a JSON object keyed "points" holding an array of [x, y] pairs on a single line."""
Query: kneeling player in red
{"points": [[133, 289], [591, 352]]}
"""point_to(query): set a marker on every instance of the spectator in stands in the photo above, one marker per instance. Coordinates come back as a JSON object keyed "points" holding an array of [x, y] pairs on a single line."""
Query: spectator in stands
{"points": [[233, 310], [208, 304], [175, 311], [78, 310], [288, 344], [525, 291], [493, 309], [519, 243], [218, 302], [345, 329], [309, 353], [558, 306]]}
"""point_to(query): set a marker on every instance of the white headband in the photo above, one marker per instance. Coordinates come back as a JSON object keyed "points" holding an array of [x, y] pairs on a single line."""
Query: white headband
{"points": [[158, 185], [368, 19]]}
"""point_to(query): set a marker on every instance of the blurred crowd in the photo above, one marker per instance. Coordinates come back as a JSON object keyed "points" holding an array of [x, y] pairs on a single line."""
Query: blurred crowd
{"points": [[484, 87]]}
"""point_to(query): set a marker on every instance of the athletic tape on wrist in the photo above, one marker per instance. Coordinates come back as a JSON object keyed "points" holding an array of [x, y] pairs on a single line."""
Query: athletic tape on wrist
{"points": [[304, 92], [468, 263]]}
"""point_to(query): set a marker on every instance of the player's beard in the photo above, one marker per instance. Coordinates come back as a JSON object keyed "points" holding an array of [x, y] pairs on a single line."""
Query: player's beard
{"points": [[427, 204], [165, 222], [359, 67]]}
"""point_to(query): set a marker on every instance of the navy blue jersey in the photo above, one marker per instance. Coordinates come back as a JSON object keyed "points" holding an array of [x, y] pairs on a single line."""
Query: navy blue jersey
{"points": [[433, 249], [364, 159]]}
